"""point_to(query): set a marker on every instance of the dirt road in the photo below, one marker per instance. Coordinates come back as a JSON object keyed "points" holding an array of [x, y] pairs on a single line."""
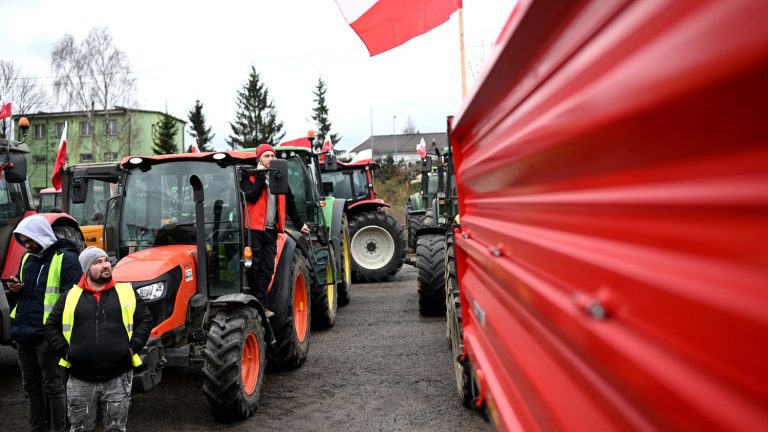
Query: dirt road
{"points": [[381, 368]]}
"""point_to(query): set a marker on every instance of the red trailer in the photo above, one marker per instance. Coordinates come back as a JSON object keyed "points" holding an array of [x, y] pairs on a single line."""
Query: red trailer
{"points": [[612, 257]]}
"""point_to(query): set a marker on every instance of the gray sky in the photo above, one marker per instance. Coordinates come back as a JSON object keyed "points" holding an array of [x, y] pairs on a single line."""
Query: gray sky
{"points": [[182, 51]]}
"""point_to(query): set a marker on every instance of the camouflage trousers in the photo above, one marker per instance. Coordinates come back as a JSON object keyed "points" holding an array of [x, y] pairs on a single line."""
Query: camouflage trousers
{"points": [[112, 398]]}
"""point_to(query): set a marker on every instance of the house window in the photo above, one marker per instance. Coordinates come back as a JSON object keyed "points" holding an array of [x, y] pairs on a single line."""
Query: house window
{"points": [[59, 129], [85, 128], [86, 157], [40, 131], [110, 156], [39, 159], [112, 127]]}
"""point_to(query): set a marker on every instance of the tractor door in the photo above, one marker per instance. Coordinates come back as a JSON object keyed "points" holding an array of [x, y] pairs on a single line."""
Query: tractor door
{"points": [[86, 192]]}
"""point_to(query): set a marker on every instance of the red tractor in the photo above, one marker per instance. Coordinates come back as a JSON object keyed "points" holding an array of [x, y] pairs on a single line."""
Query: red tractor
{"points": [[15, 205], [377, 242]]}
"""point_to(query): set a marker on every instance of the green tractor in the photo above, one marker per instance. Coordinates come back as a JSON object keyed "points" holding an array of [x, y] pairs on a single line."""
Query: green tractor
{"points": [[330, 216], [435, 234]]}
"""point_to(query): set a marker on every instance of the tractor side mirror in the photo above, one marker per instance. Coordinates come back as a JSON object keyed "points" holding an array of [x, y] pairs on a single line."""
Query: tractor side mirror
{"points": [[330, 162], [327, 188], [278, 176], [18, 172], [426, 164], [79, 190]]}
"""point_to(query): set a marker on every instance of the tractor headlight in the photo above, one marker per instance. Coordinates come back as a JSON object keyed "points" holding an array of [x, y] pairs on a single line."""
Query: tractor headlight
{"points": [[152, 291]]}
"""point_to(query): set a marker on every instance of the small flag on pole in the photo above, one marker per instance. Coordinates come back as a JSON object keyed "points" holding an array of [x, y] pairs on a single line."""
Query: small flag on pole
{"points": [[194, 148], [421, 148], [386, 24], [61, 160], [5, 110]]}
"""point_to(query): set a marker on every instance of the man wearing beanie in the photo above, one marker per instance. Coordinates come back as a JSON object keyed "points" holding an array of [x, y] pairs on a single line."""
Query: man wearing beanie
{"points": [[97, 330], [265, 218], [47, 271]]}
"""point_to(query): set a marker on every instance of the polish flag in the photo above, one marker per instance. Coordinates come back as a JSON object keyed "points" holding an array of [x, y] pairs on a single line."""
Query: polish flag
{"points": [[421, 148], [327, 145], [61, 160], [5, 110], [194, 148], [386, 24]]}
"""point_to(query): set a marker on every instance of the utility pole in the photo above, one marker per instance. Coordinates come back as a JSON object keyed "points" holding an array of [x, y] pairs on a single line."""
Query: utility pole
{"points": [[394, 138]]}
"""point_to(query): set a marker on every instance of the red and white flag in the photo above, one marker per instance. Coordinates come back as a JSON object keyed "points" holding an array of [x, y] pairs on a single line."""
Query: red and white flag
{"points": [[5, 110], [386, 24], [194, 148], [61, 160], [327, 144], [421, 148]]}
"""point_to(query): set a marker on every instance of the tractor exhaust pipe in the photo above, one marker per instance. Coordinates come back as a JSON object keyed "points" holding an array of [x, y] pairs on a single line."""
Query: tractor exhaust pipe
{"points": [[202, 255]]}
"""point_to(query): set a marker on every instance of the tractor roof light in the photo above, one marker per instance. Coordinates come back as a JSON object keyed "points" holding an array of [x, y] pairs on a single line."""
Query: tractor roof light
{"points": [[135, 160], [219, 156]]}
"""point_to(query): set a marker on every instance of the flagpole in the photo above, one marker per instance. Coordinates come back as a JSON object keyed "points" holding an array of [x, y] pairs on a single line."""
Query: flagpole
{"points": [[462, 53]]}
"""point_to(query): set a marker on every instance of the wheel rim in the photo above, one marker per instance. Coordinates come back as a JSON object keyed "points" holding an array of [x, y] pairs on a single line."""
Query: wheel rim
{"points": [[347, 260], [250, 363], [300, 311], [329, 281], [372, 247]]}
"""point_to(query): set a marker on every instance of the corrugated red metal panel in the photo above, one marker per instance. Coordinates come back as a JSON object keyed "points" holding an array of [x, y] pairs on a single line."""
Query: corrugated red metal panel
{"points": [[615, 158]]}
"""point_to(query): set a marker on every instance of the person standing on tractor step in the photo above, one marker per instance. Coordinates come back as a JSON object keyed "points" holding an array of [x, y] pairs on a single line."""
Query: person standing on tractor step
{"points": [[48, 269], [97, 329], [265, 218]]}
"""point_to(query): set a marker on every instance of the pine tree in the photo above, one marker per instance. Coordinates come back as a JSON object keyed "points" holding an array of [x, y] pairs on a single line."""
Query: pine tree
{"points": [[320, 114], [256, 119], [197, 129], [165, 138]]}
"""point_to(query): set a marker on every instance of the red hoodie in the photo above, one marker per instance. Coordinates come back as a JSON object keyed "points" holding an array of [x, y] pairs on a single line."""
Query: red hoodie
{"points": [[96, 294]]}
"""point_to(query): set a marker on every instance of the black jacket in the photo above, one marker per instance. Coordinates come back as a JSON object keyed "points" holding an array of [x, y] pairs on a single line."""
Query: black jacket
{"points": [[27, 327], [253, 190], [99, 349]]}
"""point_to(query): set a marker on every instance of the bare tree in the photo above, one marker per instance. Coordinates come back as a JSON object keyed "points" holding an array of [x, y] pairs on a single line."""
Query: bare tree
{"points": [[410, 126], [23, 92], [92, 75]]}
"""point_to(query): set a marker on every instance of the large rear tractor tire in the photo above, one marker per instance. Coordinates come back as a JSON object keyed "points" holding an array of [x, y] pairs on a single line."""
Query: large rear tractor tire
{"points": [[292, 320], [345, 264], [325, 295], [430, 262], [234, 362], [378, 246]]}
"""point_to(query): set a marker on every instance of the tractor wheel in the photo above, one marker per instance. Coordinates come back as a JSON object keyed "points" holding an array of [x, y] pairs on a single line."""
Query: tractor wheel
{"points": [[345, 264], [292, 319], [233, 369], [453, 321], [430, 262], [378, 246], [325, 295], [414, 223], [429, 219]]}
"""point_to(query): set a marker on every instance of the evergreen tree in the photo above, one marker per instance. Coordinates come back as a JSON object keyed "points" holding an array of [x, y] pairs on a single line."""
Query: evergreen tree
{"points": [[197, 129], [320, 114], [256, 119], [165, 138]]}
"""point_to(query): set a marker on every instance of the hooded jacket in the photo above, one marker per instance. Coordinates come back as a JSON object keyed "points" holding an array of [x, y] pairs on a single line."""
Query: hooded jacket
{"points": [[27, 327]]}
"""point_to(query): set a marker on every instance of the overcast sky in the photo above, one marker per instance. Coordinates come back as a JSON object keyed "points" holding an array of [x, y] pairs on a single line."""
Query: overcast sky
{"points": [[182, 51]]}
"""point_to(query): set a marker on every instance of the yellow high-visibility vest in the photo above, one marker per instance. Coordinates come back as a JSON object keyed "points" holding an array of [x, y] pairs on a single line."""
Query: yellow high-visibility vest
{"points": [[52, 285], [127, 298]]}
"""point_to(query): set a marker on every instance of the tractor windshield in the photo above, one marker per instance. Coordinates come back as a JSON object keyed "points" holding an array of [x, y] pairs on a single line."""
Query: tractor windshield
{"points": [[349, 184], [11, 202], [159, 209]]}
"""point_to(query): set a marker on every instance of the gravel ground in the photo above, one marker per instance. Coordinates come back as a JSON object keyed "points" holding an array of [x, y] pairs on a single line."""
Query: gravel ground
{"points": [[381, 368]]}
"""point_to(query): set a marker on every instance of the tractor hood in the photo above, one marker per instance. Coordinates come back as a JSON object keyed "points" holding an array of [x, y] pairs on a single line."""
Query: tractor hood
{"points": [[151, 263]]}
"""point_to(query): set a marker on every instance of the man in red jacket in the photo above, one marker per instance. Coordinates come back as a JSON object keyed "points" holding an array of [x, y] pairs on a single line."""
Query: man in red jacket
{"points": [[265, 218]]}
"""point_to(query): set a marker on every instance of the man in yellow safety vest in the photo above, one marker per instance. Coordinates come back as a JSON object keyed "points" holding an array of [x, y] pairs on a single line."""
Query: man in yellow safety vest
{"points": [[48, 269], [98, 329]]}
